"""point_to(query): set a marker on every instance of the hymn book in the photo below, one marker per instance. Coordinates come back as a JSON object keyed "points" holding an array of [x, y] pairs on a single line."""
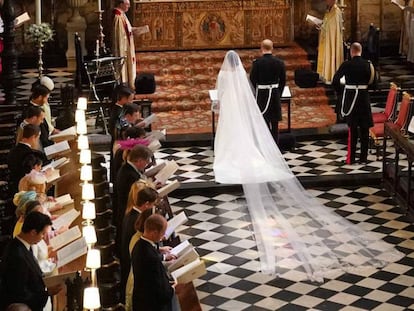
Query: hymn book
{"points": [[154, 169], [56, 149], [314, 20], [52, 175], [71, 252], [65, 199], [65, 238], [159, 135], [140, 30], [154, 145], [56, 163], [168, 188], [148, 120], [185, 254], [166, 172], [174, 223], [189, 272], [65, 219], [22, 18], [67, 134]]}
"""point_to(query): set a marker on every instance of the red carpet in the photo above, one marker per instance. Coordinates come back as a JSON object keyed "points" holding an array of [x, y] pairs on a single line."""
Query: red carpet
{"points": [[183, 79]]}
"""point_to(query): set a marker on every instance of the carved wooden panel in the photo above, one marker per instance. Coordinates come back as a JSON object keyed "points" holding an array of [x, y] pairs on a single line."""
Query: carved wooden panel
{"points": [[210, 24]]}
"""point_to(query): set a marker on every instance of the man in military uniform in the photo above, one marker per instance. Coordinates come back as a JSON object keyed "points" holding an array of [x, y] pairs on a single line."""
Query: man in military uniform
{"points": [[355, 105], [268, 76]]}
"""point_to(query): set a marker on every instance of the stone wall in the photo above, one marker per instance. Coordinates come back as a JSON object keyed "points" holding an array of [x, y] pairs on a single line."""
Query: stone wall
{"points": [[381, 13]]}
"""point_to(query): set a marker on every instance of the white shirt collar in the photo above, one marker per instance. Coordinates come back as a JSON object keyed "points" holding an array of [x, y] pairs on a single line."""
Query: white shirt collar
{"points": [[20, 142], [149, 241], [135, 168], [25, 243]]}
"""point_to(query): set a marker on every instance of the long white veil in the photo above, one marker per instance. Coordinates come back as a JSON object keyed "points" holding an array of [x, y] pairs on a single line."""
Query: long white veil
{"points": [[292, 229]]}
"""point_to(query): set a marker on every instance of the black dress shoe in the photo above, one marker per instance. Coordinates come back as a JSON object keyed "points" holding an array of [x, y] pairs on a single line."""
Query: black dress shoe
{"points": [[343, 162], [363, 162]]}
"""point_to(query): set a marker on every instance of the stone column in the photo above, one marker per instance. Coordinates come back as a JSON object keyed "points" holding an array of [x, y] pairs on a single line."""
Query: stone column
{"points": [[76, 24], [10, 75]]}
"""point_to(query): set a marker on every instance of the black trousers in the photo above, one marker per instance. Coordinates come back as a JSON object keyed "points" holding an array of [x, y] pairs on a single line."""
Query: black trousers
{"points": [[355, 132], [274, 129]]}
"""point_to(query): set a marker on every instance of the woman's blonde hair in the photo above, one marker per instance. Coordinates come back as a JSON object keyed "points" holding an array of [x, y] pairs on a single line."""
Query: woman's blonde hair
{"points": [[133, 195]]}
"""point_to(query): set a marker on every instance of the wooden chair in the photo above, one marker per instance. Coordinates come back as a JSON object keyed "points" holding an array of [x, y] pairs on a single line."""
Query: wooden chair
{"points": [[376, 133], [388, 113]]}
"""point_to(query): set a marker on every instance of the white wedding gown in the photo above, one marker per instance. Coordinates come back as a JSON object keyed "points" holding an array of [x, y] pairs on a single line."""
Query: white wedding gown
{"points": [[292, 229]]}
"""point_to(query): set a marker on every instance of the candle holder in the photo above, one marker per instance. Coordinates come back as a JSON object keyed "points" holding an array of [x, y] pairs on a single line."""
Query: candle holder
{"points": [[101, 36], [40, 59], [38, 34]]}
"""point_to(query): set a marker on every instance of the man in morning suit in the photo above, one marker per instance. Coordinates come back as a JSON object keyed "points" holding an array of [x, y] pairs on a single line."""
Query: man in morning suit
{"points": [[123, 95], [18, 157], [132, 170], [152, 288], [268, 76], [39, 98], [356, 106], [21, 274]]}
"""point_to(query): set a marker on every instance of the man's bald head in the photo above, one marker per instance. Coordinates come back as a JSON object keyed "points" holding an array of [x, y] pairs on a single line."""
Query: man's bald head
{"points": [[267, 46], [356, 49]]}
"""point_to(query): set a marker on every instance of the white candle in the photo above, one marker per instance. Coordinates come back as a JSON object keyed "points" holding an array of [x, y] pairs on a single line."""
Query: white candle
{"points": [[99, 6], [341, 3], [97, 48], [38, 11]]}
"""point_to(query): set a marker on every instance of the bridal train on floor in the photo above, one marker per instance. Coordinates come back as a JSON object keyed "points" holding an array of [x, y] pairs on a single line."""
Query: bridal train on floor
{"points": [[293, 230]]}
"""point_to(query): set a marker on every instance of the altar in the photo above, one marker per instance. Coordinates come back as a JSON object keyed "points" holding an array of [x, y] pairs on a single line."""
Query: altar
{"points": [[212, 24]]}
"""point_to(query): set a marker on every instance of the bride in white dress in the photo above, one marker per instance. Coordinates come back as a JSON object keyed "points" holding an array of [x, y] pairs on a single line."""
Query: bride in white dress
{"points": [[292, 229]]}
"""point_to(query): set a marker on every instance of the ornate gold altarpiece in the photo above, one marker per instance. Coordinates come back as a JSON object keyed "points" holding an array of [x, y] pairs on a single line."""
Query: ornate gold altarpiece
{"points": [[212, 24]]}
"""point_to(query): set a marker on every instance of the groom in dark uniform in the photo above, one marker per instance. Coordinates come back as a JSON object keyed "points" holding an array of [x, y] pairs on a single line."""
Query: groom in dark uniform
{"points": [[268, 76], [355, 105]]}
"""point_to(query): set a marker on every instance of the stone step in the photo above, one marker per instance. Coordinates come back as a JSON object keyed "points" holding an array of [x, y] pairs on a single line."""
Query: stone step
{"points": [[183, 78]]}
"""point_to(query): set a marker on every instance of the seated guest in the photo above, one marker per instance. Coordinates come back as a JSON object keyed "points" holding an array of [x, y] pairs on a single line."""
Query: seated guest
{"points": [[33, 115], [143, 198], [132, 170], [21, 153], [20, 270], [39, 98], [153, 290]]}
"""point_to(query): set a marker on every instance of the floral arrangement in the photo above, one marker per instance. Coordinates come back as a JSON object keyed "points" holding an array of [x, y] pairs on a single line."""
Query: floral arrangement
{"points": [[39, 33]]}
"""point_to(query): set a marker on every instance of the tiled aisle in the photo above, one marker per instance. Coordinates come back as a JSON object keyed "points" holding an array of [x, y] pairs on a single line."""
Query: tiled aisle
{"points": [[221, 231], [311, 158]]}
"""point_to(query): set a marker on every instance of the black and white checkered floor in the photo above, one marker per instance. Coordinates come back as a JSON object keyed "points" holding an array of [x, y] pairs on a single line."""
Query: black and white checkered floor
{"points": [[222, 232], [312, 158]]}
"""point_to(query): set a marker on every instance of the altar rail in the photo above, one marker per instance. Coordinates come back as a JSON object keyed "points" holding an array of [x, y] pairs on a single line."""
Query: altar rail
{"points": [[212, 24]]}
